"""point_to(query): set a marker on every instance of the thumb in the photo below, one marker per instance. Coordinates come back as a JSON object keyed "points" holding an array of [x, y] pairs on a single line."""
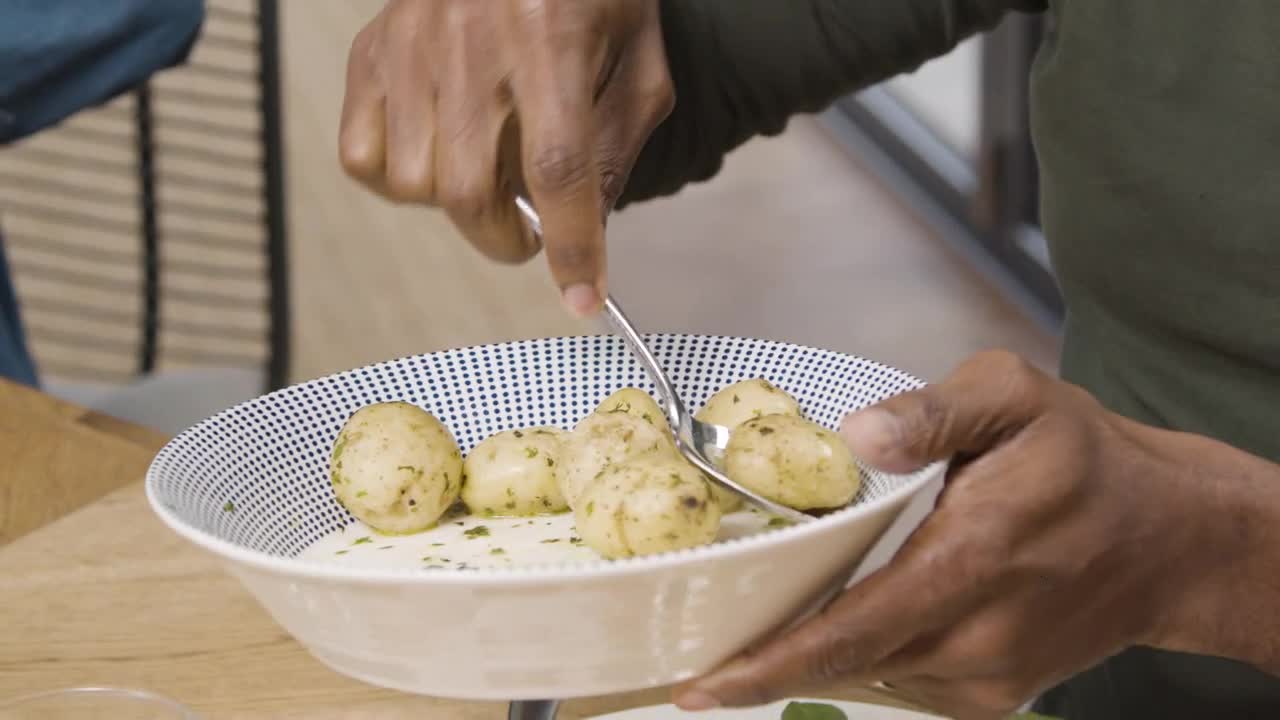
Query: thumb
{"points": [[974, 409]]}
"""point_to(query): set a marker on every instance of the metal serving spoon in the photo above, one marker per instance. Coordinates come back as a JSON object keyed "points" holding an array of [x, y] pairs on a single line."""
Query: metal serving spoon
{"points": [[701, 443]]}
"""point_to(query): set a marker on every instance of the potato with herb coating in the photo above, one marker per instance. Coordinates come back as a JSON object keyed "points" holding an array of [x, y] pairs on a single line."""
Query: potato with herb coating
{"points": [[747, 399], [396, 468], [650, 504], [792, 461], [638, 403], [513, 473], [738, 403], [601, 440]]}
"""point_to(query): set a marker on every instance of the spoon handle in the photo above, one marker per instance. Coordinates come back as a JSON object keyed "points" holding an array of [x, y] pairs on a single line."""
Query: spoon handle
{"points": [[623, 327]]}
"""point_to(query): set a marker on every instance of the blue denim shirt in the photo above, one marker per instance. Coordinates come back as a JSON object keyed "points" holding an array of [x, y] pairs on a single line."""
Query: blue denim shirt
{"points": [[58, 57]]}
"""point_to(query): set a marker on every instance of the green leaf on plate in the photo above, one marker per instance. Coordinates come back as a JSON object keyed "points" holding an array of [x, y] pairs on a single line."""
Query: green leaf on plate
{"points": [[812, 711]]}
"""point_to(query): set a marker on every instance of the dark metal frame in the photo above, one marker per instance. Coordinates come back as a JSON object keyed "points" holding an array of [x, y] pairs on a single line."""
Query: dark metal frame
{"points": [[273, 201], [988, 209]]}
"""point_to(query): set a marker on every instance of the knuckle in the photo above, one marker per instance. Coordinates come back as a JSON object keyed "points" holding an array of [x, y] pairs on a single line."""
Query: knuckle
{"points": [[508, 248], [842, 652], [612, 183], [358, 158], [571, 257], [924, 421], [465, 197], [657, 98], [1011, 366], [407, 183], [559, 165], [1000, 696]]}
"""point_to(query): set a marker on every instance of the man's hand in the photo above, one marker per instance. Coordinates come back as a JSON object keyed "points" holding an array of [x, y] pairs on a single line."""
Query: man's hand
{"points": [[1062, 537], [461, 104]]}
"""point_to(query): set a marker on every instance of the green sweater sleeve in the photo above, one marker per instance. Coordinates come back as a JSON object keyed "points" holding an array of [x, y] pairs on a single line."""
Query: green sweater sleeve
{"points": [[741, 68]]}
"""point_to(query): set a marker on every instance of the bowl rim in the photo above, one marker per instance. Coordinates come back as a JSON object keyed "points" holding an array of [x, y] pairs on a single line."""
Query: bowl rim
{"points": [[533, 573]]}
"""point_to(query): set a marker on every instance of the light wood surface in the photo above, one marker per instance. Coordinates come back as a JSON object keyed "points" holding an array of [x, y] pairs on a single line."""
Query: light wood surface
{"points": [[108, 596], [58, 457]]}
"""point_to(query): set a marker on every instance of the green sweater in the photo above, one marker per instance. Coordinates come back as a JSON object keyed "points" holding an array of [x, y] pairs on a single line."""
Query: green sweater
{"points": [[1157, 126]]}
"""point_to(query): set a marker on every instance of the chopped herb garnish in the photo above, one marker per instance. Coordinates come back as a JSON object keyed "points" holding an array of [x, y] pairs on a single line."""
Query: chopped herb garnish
{"points": [[736, 399], [412, 502], [363, 541], [779, 522], [575, 541], [766, 431], [518, 434], [541, 432], [386, 547], [229, 507], [410, 468], [362, 493], [341, 552], [548, 541], [437, 544], [497, 551], [591, 507], [551, 463], [511, 492], [477, 531], [531, 452]]}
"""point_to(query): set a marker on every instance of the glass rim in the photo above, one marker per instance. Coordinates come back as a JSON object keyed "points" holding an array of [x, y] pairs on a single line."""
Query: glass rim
{"points": [[135, 694]]}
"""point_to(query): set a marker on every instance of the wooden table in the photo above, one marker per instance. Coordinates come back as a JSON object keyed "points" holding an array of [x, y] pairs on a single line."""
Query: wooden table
{"points": [[95, 591]]}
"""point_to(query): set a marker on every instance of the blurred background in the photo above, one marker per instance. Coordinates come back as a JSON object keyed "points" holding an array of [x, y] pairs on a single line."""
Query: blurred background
{"points": [[196, 242]]}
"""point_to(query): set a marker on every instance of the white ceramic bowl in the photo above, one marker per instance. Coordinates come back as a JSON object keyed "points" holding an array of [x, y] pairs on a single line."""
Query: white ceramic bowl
{"points": [[250, 485]]}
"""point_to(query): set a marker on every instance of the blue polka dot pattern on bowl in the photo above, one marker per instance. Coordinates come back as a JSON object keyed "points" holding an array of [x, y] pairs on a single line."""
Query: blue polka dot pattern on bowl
{"points": [[257, 475]]}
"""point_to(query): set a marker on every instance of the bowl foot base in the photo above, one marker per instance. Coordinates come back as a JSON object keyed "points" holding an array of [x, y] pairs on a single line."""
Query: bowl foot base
{"points": [[533, 710]]}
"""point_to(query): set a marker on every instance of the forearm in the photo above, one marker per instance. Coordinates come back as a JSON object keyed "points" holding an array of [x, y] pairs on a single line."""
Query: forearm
{"points": [[743, 67], [1226, 602]]}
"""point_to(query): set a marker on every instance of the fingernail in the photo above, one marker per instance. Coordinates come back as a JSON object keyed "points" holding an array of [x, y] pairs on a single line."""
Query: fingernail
{"points": [[581, 300], [871, 427], [697, 701]]}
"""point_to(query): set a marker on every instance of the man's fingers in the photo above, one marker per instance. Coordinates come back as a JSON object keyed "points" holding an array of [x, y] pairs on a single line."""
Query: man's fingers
{"points": [[922, 591], [554, 97], [362, 133], [984, 401], [411, 121]]}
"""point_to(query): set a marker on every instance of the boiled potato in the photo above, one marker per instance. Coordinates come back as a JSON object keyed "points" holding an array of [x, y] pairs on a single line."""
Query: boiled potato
{"points": [[513, 473], [738, 403], [396, 468], [742, 401], [792, 461], [638, 403], [654, 503], [603, 439]]}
